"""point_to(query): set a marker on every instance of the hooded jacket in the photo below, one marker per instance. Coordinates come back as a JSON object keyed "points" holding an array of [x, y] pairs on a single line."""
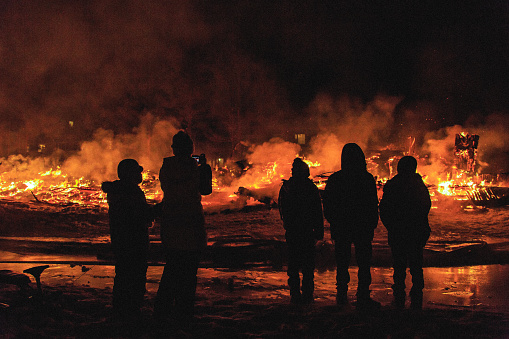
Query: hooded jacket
{"points": [[404, 209], [130, 217], [350, 202], [300, 208]]}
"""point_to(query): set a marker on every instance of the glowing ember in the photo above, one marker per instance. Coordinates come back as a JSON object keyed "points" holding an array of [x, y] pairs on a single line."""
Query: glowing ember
{"points": [[256, 181], [312, 164], [446, 188], [268, 178], [52, 186]]}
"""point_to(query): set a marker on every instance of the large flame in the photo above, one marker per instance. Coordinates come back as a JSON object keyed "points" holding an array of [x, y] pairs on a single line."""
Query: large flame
{"points": [[77, 179], [52, 186]]}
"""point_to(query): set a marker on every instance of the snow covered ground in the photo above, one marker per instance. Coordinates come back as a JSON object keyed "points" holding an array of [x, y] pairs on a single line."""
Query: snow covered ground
{"points": [[242, 289], [459, 302]]}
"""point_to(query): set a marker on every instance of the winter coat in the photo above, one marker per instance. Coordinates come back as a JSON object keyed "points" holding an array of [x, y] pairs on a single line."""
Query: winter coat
{"points": [[205, 179], [350, 204], [300, 208], [404, 209], [130, 217], [182, 221]]}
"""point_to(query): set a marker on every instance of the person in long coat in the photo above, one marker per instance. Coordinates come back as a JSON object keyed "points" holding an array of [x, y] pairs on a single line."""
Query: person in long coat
{"points": [[404, 212], [183, 232], [351, 206]]}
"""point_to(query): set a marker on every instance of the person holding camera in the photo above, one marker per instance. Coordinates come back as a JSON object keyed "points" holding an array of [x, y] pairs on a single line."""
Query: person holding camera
{"points": [[182, 232]]}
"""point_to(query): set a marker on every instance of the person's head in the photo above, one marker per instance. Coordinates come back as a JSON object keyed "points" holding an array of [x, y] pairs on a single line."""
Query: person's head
{"points": [[352, 158], [130, 170], [300, 169], [202, 160], [407, 165], [182, 144]]}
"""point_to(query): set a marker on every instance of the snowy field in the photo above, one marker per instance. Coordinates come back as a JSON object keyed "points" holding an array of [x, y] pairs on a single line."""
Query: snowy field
{"points": [[242, 288], [251, 236]]}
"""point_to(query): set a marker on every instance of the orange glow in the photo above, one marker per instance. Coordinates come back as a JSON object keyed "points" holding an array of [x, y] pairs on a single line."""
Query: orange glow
{"points": [[311, 164], [53, 186], [259, 181]]}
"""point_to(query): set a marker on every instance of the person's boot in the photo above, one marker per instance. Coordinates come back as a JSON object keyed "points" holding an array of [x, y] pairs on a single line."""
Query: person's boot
{"points": [[307, 298], [295, 296], [341, 298], [294, 284], [416, 301], [308, 287], [368, 304], [399, 300], [364, 302]]}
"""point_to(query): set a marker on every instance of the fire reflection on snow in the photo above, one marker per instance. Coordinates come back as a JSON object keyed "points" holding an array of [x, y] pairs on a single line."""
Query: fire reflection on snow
{"points": [[479, 287]]}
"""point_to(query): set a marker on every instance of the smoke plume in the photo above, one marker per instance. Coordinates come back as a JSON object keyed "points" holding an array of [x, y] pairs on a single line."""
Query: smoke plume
{"points": [[85, 84]]}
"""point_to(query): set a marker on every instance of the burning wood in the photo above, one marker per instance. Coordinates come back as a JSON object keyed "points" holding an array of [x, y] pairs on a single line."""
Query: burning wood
{"points": [[258, 179], [246, 192], [489, 196], [465, 148]]}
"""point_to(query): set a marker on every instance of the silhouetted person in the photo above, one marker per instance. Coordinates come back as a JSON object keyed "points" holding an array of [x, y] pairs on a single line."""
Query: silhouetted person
{"points": [[182, 232], [300, 207], [404, 212], [351, 207], [130, 217], [205, 175]]}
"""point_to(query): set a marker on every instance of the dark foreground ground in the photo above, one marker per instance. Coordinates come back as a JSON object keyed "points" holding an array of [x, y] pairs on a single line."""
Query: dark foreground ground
{"points": [[462, 302], [81, 313], [242, 289]]}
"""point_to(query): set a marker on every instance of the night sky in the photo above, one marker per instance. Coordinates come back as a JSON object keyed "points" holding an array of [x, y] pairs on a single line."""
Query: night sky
{"points": [[244, 69], [452, 53], [430, 51]]}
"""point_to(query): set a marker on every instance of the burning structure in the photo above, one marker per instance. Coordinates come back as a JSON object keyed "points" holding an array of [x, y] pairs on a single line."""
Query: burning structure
{"points": [[86, 84], [465, 149], [42, 180]]}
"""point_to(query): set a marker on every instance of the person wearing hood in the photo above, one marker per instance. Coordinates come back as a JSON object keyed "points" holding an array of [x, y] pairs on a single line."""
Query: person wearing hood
{"points": [[300, 208], [130, 218], [182, 231], [351, 206], [404, 212]]}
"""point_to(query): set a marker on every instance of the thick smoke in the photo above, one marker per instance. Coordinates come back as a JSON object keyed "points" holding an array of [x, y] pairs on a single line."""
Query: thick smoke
{"points": [[71, 68], [492, 154], [351, 120], [85, 84], [98, 159]]}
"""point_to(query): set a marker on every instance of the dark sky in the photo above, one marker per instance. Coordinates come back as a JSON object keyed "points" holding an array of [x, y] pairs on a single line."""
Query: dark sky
{"points": [[430, 50], [242, 69]]}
